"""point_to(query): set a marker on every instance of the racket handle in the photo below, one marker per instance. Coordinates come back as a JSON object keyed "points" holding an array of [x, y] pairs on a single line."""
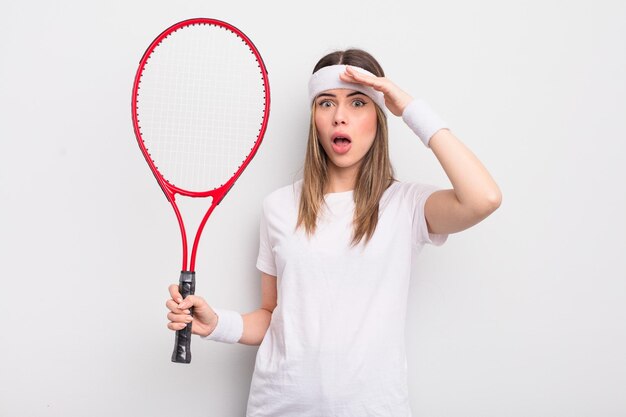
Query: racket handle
{"points": [[182, 343]]}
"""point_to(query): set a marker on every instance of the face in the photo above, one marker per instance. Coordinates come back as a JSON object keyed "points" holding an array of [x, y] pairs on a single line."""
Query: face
{"points": [[346, 126]]}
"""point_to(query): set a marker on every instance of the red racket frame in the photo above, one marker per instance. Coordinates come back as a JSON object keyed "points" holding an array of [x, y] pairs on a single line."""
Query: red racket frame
{"points": [[171, 190]]}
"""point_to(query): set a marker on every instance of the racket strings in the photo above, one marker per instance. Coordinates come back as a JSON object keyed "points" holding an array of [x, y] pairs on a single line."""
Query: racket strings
{"points": [[201, 106]]}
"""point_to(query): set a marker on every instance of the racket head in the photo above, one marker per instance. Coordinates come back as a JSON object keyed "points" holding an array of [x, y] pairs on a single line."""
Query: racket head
{"points": [[200, 107]]}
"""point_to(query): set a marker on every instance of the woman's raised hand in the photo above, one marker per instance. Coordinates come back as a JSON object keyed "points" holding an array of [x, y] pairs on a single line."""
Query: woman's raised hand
{"points": [[396, 100], [204, 318]]}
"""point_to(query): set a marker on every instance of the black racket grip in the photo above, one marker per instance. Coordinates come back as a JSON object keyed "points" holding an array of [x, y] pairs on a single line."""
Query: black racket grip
{"points": [[182, 343]]}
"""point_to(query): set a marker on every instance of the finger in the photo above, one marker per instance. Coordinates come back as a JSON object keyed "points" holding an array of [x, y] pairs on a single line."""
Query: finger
{"points": [[191, 301], [364, 78], [175, 293], [351, 75], [349, 79], [377, 83], [179, 318], [176, 326], [173, 307]]}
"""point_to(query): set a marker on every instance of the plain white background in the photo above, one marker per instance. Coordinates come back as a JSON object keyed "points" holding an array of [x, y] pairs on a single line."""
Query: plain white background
{"points": [[521, 315]]}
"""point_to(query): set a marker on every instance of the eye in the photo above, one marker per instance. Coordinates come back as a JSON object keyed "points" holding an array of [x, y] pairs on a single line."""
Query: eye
{"points": [[358, 103], [325, 103]]}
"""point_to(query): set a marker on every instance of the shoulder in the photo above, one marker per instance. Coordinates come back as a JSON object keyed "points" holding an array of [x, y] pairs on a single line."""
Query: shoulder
{"points": [[410, 190], [283, 196], [411, 196]]}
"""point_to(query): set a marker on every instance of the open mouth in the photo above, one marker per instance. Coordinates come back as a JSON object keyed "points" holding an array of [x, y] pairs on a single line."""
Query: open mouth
{"points": [[341, 143], [339, 140]]}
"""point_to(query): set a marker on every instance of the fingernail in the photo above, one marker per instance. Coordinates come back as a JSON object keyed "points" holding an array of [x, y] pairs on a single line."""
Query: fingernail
{"points": [[179, 300], [187, 312]]}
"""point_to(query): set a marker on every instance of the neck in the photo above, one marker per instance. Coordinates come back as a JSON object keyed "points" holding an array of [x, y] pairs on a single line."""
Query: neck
{"points": [[341, 179]]}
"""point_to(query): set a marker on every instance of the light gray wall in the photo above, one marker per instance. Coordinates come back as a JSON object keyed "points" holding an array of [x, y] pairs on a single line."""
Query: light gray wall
{"points": [[522, 315]]}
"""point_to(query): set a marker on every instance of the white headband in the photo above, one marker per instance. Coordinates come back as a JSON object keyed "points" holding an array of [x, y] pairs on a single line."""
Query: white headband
{"points": [[327, 78]]}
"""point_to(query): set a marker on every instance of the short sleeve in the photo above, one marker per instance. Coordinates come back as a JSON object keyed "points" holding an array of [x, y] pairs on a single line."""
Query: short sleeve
{"points": [[418, 194], [265, 260]]}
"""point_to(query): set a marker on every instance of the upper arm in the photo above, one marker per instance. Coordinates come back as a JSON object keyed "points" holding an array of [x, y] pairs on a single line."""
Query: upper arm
{"points": [[269, 295], [445, 214]]}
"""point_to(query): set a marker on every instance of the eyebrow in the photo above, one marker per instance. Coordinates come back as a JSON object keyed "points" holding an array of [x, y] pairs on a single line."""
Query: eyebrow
{"points": [[333, 95]]}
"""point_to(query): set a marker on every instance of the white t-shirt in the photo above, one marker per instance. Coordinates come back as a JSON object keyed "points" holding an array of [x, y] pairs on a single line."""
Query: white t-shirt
{"points": [[335, 346]]}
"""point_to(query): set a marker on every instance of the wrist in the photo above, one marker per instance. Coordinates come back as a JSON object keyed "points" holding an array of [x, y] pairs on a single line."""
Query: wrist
{"points": [[211, 326], [405, 100], [422, 120], [228, 327]]}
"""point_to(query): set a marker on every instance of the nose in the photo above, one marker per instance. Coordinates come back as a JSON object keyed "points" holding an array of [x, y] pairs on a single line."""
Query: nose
{"points": [[340, 117]]}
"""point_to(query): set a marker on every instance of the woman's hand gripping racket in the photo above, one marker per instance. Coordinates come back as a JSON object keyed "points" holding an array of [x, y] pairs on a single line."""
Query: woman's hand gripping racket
{"points": [[200, 107]]}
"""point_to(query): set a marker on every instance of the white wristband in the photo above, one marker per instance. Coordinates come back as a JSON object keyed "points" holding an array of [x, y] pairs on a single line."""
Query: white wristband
{"points": [[229, 327], [422, 120]]}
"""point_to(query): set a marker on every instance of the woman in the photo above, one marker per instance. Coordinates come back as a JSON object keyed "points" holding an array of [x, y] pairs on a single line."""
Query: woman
{"points": [[336, 249]]}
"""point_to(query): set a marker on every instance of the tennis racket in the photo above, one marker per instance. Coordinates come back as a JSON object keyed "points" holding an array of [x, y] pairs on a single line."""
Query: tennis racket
{"points": [[200, 107]]}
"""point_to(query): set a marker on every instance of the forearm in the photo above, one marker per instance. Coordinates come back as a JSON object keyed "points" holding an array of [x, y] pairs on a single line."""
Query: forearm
{"points": [[472, 183], [255, 325]]}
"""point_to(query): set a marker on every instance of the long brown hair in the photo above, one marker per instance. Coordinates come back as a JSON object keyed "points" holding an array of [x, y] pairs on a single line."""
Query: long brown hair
{"points": [[375, 173]]}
